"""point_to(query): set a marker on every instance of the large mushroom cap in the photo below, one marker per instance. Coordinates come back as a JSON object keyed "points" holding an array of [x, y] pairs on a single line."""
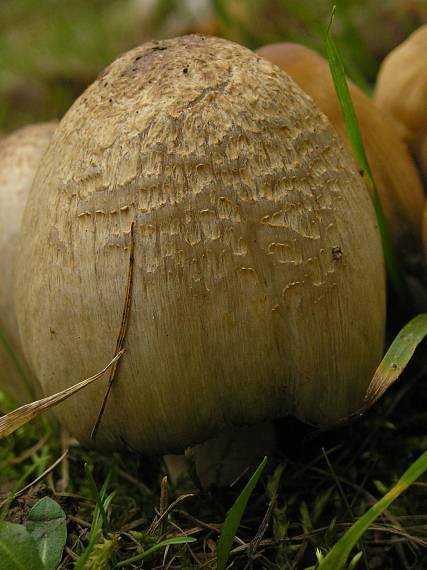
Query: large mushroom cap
{"points": [[20, 154], [401, 90], [393, 169], [258, 282]]}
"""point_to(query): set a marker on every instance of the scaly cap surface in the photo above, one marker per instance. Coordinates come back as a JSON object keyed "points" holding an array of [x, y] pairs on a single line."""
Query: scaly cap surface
{"points": [[258, 276], [394, 171]]}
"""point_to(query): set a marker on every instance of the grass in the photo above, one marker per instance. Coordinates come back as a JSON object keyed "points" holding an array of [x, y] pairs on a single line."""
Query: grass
{"points": [[355, 137], [234, 516], [114, 539], [337, 557], [310, 501], [323, 491]]}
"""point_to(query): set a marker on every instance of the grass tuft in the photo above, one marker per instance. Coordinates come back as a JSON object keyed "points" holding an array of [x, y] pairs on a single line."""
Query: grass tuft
{"points": [[355, 136], [234, 517]]}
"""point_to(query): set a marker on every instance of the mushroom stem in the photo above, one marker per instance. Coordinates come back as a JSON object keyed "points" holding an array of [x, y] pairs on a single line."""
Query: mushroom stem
{"points": [[225, 458]]}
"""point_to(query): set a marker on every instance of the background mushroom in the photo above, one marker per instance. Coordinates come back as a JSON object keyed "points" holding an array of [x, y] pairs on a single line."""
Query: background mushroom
{"points": [[20, 154], [401, 90], [258, 280], [394, 172], [425, 233]]}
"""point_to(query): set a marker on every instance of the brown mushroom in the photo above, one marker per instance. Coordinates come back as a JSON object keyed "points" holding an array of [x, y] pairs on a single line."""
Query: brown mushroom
{"points": [[258, 279], [425, 234], [393, 169], [401, 90], [20, 154]]}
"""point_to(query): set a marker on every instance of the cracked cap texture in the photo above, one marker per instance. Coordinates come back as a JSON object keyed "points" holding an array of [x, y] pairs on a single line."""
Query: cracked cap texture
{"points": [[396, 177], [258, 275]]}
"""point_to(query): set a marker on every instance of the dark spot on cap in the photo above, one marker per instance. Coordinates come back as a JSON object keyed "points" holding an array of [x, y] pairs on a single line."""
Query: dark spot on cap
{"points": [[185, 70], [336, 253]]}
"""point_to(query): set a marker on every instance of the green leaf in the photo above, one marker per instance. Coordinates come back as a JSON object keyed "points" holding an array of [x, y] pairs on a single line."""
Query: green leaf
{"points": [[338, 555], [47, 526], [159, 546], [397, 357], [354, 134], [234, 516], [18, 551]]}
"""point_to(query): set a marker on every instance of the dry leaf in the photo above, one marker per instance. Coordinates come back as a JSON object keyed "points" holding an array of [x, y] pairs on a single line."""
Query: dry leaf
{"points": [[14, 420]]}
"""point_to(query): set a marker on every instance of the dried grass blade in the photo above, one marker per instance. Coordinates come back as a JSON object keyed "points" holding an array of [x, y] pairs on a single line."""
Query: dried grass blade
{"points": [[162, 516], [37, 480], [124, 325], [14, 420], [396, 358]]}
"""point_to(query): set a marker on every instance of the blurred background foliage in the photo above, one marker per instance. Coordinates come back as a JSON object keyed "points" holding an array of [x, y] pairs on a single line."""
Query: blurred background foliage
{"points": [[50, 50]]}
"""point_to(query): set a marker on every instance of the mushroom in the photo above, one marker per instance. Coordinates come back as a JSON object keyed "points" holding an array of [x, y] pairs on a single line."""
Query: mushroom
{"points": [[257, 287], [394, 172], [20, 154], [401, 90], [425, 234]]}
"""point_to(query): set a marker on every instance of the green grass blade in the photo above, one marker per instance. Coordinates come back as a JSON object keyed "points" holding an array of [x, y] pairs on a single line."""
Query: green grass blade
{"points": [[97, 496], [343, 94], [340, 552], [397, 357], [155, 548], [355, 136], [95, 530], [234, 516]]}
